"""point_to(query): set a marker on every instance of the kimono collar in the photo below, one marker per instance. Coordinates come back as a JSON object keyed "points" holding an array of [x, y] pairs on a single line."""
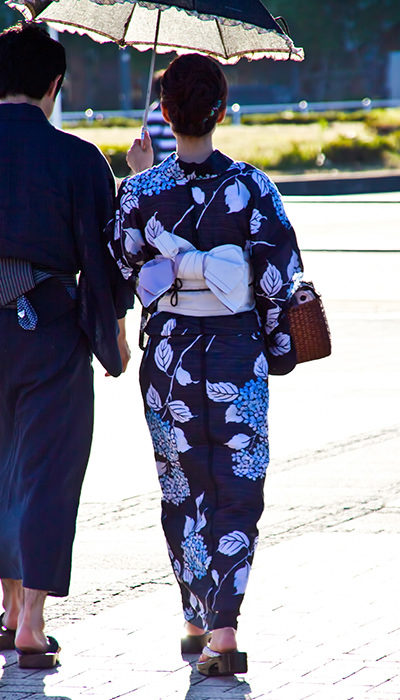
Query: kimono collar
{"points": [[216, 164], [22, 111]]}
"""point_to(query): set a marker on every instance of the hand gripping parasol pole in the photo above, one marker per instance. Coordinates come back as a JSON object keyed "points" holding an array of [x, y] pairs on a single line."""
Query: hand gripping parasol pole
{"points": [[149, 86]]}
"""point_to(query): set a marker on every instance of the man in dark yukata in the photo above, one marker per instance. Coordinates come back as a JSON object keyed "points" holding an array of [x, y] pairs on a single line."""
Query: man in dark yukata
{"points": [[56, 195]]}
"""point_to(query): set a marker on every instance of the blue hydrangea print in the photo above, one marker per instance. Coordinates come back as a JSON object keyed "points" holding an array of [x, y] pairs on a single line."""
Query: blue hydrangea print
{"points": [[195, 555], [249, 405], [173, 482]]}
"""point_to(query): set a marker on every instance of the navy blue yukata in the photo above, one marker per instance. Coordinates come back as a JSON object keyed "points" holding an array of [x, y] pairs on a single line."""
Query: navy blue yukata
{"points": [[214, 258], [56, 196]]}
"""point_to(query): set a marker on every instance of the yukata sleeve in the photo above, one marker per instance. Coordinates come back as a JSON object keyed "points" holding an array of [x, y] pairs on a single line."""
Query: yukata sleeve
{"points": [[122, 293], [277, 267], [103, 294], [125, 233]]}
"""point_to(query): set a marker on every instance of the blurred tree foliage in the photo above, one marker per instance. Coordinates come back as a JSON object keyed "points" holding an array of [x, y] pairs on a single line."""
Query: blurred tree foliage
{"points": [[328, 26], [336, 35], [346, 47], [8, 16]]}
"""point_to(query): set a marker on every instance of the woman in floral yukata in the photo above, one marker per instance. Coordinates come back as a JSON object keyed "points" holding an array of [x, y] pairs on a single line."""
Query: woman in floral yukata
{"points": [[213, 257]]}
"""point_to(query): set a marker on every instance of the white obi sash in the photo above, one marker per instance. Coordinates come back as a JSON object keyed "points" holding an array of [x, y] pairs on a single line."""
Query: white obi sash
{"points": [[213, 283]]}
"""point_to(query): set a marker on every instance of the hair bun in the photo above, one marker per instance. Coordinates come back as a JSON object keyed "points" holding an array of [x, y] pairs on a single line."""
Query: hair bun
{"points": [[194, 91]]}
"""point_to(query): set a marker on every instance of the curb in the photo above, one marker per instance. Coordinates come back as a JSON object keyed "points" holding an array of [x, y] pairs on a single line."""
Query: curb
{"points": [[339, 184]]}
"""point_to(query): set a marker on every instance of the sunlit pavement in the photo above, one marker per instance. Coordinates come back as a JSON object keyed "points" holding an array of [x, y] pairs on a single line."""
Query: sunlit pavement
{"points": [[321, 615]]}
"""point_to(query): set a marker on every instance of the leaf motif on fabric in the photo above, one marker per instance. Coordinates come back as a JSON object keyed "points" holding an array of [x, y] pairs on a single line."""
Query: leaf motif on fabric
{"points": [[153, 398], [180, 411], [168, 327], [187, 576], [238, 442], [199, 500], [232, 544], [183, 377], [272, 318], [133, 240], [189, 526], [200, 522], [128, 202], [271, 281], [193, 601], [153, 229], [126, 271], [198, 195], [236, 197], [281, 344], [262, 181], [181, 442], [215, 576], [260, 368], [232, 416], [163, 355], [161, 468], [222, 391], [177, 569], [255, 221], [294, 265], [241, 579], [117, 226]]}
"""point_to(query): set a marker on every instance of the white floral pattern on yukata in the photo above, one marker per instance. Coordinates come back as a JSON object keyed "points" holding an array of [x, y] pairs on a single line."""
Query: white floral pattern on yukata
{"points": [[166, 418], [196, 565], [204, 381], [237, 204]]}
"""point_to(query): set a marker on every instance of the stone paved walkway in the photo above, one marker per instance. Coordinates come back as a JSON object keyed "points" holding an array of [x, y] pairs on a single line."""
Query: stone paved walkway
{"points": [[320, 621], [321, 618]]}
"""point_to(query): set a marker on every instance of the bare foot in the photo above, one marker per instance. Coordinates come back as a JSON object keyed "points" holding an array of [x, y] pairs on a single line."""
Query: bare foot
{"points": [[12, 602], [222, 640], [30, 634]]}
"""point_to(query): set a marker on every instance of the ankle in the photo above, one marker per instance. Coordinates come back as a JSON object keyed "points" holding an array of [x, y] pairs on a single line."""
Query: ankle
{"points": [[12, 602], [31, 615], [223, 639]]}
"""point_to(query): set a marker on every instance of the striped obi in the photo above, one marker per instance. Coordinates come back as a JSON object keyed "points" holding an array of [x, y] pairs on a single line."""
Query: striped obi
{"points": [[17, 277]]}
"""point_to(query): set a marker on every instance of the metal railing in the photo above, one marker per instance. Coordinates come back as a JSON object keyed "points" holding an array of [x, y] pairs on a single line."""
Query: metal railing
{"points": [[236, 110]]}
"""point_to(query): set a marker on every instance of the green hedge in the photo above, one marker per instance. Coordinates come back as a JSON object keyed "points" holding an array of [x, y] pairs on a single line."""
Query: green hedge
{"points": [[342, 152], [116, 156], [347, 151], [379, 119]]}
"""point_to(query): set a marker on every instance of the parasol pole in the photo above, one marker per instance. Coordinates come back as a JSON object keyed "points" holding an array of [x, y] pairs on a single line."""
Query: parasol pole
{"points": [[151, 73], [56, 117]]}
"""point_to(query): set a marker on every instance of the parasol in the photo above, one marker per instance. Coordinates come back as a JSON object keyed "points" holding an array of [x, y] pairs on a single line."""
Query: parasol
{"points": [[226, 31]]}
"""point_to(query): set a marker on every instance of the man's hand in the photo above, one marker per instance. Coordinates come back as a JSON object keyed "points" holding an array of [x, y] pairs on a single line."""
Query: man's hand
{"points": [[123, 346], [140, 157]]}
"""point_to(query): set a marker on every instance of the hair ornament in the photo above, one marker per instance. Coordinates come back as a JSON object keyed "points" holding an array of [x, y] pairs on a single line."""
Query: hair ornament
{"points": [[213, 111]]}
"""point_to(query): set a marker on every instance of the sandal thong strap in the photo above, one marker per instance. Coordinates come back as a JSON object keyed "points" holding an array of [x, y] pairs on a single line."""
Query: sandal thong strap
{"points": [[210, 652]]}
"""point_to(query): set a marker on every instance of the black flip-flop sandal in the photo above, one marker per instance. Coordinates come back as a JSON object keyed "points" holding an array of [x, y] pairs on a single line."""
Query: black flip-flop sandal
{"points": [[40, 659], [7, 636], [193, 643], [226, 664]]}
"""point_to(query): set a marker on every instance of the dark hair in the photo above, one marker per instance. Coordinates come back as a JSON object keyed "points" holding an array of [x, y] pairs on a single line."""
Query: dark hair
{"points": [[29, 61], [156, 86], [194, 91]]}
